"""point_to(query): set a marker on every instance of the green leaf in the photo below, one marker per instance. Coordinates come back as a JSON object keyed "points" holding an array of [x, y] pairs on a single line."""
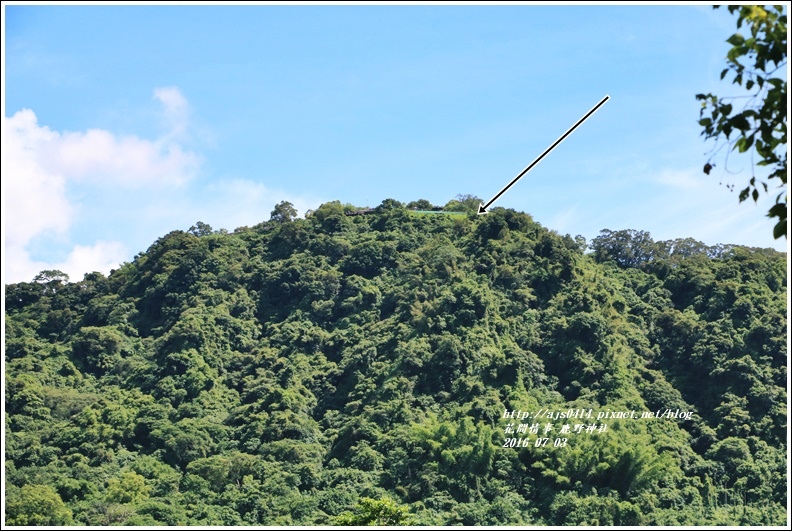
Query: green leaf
{"points": [[777, 210], [736, 39], [732, 55], [780, 229], [740, 122], [745, 143], [725, 71], [755, 194]]}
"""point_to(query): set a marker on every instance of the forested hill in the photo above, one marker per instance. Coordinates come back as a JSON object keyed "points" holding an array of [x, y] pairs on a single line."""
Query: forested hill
{"points": [[357, 369]]}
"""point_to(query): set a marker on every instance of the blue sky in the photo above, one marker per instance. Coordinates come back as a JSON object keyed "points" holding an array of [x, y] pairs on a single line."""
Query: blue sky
{"points": [[122, 123]]}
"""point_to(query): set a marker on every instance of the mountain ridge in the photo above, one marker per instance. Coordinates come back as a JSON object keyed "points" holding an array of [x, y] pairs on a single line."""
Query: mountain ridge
{"points": [[356, 369]]}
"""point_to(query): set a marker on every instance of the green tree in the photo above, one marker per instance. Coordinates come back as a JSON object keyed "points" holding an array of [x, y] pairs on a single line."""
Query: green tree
{"points": [[330, 216], [464, 203], [200, 229], [36, 505], [390, 204], [283, 212], [129, 488], [627, 248], [97, 348], [52, 280], [761, 123], [375, 512], [421, 204], [51, 275]]}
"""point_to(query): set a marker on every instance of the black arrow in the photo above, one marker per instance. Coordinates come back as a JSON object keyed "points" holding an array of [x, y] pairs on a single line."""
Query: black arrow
{"points": [[483, 208]]}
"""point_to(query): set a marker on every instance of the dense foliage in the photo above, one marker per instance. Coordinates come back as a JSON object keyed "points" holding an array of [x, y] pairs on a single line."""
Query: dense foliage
{"points": [[355, 370]]}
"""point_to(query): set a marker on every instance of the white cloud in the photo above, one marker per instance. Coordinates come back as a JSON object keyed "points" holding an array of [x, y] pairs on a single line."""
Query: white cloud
{"points": [[75, 192], [176, 109], [99, 155], [39, 164], [102, 257], [34, 199]]}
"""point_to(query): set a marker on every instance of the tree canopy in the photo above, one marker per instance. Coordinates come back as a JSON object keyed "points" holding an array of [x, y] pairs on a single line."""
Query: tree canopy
{"points": [[283, 212]]}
